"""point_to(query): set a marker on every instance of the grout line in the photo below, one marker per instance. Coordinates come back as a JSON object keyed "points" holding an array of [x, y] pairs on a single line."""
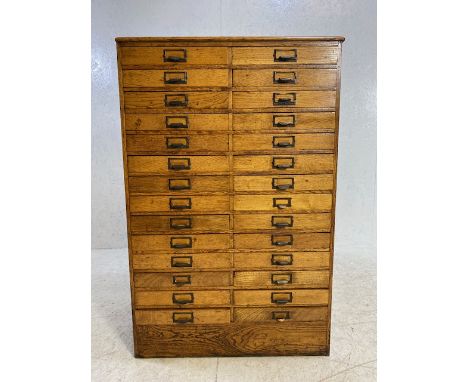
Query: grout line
{"points": [[217, 364], [345, 370]]}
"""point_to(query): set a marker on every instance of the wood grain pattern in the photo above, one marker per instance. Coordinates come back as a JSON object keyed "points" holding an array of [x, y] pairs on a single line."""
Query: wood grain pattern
{"points": [[167, 144], [231, 340], [312, 78], [293, 121], [297, 183], [189, 122], [166, 317], [316, 314], [313, 222], [283, 279], [177, 185], [296, 164], [230, 165], [272, 142], [305, 55], [302, 99], [298, 241], [168, 298], [180, 223], [297, 202], [264, 297], [155, 56], [192, 77], [187, 203], [281, 261], [182, 281], [159, 165], [163, 242], [165, 261], [191, 100], [224, 40]]}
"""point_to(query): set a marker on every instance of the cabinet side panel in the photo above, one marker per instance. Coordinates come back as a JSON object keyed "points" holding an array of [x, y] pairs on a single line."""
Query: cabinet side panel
{"points": [[127, 197], [332, 232]]}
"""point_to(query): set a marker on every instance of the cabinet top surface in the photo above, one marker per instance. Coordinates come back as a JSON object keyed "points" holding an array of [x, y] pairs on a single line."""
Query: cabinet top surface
{"points": [[230, 38]]}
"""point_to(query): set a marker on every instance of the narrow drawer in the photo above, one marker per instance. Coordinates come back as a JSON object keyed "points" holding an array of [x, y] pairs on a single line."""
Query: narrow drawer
{"points": [[282, 183], [278, 143], [290, 78], [287, 279], [181, 299], [291, 164], [180, 243], [286, 203], [283, 260], [283, 297], [309, 221], [173, 56], [176, 100], [180, 223], [284, 121], [177, 184], [182, 317], [285, 55], [284, 242], [176, 123], [317, 314], [185, 262], [175, 78], [176, 165], [289, 99], [209, 203], [177, 143], [181, 280]]}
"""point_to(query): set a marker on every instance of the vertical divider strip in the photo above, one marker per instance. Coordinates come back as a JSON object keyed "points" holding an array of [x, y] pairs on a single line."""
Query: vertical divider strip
{"points": [[231, 183]]}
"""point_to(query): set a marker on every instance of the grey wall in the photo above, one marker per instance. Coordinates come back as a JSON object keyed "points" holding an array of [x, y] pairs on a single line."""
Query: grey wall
{"points": [[354, 19]]}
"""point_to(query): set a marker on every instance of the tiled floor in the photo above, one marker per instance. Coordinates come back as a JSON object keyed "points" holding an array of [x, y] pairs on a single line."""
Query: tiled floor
{"points": [[353, 342]]}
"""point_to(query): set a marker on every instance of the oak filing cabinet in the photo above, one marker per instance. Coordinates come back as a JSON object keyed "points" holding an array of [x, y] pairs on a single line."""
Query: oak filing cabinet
{"points": [[230, 151]]}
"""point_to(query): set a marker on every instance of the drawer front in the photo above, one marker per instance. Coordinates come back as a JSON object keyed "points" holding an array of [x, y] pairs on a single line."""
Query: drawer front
{"points": [[177, 143], [179, 203], [177, 185], [286, 203], [180, 243], [176, 100], [283, 297], [176, 165], [180, 223], [285, 279], [182, 299], [182, 263], [288, 99], [284, 121], [182, 317], [173, 56], [181, 280], [283, 183], [176, 123], [282, 56], [279, 143], [317, 314], [291, 164], [176, 78], [290, 78], [314, 222], [283, 242], [283, 260]]}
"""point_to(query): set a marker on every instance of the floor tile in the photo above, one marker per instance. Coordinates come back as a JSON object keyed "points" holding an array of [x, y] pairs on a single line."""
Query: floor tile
{"points": [[354, 374]]}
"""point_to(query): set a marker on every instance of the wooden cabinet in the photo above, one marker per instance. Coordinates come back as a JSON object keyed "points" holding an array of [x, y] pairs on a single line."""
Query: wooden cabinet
{"points": [[230, 157]]}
